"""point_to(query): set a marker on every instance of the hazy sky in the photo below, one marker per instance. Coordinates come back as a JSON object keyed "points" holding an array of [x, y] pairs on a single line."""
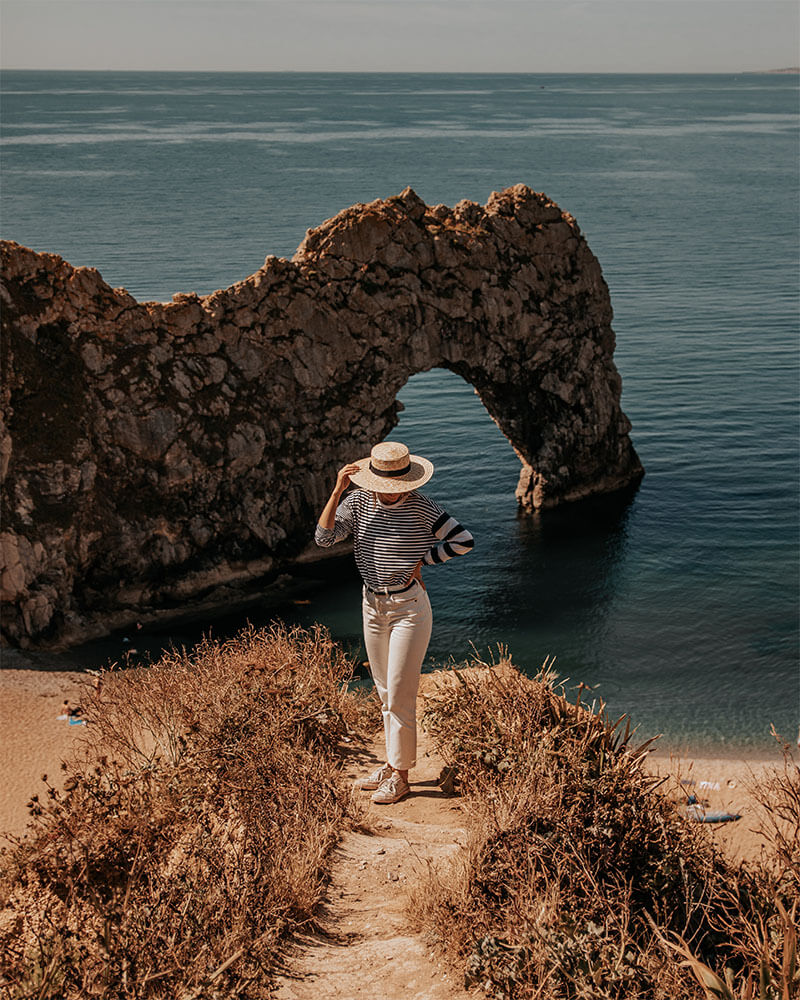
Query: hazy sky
{"points": [[402, 35]]}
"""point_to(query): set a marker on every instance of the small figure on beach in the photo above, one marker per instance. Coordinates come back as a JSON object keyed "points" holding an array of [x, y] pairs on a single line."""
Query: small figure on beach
{"points": [[396, 531]]}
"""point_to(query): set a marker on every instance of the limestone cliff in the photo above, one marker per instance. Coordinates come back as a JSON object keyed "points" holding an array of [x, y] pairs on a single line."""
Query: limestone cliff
{"points": [[153, 451]]}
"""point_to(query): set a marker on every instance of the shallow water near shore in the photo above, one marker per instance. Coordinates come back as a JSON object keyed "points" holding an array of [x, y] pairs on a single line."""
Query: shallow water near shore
{"points": [[677, 604]]}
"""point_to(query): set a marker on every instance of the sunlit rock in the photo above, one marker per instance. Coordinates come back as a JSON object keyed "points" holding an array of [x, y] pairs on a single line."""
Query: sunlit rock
{"points": [[166, 449]]}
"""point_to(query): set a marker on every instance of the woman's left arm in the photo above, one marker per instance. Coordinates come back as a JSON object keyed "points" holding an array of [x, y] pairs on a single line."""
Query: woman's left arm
{"points": [[453, 540]]}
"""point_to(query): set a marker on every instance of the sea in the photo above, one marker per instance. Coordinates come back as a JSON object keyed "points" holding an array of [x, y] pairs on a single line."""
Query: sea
{"points": [[677, 606]]}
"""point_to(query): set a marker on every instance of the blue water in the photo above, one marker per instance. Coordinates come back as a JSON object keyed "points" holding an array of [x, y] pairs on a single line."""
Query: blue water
{"points": [[681, 608]]}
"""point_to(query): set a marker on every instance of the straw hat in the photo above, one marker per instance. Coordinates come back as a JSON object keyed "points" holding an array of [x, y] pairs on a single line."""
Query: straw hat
{"points": [[391, 469]]}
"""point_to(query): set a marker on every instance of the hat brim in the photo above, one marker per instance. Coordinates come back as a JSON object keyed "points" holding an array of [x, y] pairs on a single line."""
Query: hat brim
{"points": [[420, 472]]}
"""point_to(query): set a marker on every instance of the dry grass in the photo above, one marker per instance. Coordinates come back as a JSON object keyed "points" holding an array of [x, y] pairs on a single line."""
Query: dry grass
{"points": [[582, 879], [178, 862], [198, 839]]}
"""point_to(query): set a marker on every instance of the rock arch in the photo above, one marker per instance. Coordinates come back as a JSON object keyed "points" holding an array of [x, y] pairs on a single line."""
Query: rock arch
{"points": [[153, 452]]}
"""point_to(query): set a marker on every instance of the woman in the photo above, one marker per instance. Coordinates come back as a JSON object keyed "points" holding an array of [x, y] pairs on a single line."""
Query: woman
{"points": [[396, 531]]}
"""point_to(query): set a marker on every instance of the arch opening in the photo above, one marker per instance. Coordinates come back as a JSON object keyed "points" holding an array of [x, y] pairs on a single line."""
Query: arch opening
{"points": [[444, 418]]}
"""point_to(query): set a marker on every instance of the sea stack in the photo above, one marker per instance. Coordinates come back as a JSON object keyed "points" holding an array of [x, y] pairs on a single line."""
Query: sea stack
{"points": [[153, 452]]}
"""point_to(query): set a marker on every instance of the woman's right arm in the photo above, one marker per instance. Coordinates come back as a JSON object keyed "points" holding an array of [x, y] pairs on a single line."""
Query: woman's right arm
{"points": [[326, 533]]}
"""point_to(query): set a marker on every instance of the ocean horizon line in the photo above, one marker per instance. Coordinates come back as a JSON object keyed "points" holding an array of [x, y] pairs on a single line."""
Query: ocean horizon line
{"points": [[790, 70]]}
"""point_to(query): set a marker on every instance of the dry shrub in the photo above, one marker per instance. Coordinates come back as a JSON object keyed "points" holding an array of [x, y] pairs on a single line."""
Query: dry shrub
{"points": [[581, 878], [174, 864], [779, 796]]}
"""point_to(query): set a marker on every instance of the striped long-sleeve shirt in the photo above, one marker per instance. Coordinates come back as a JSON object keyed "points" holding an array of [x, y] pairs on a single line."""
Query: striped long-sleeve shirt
{"points": [[390, 539]]}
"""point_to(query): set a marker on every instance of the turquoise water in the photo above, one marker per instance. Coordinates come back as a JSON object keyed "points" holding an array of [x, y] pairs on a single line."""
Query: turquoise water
{"points": [[681, 608]]}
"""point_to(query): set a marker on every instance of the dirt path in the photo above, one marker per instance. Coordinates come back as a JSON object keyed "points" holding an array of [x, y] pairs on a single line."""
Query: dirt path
{"points": [[367, 949]]}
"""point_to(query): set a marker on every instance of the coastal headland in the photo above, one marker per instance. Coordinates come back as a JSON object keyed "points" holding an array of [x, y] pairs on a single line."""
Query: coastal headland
{"points": [[204, 825], [157, 454]]}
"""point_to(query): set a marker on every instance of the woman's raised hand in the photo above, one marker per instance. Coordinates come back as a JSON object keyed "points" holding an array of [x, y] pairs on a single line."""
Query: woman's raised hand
{"points": [[327, 519], [344, 474]]}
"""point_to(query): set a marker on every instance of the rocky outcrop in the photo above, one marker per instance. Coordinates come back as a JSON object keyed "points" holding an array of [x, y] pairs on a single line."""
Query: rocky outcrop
{"points": [[152, 452]]}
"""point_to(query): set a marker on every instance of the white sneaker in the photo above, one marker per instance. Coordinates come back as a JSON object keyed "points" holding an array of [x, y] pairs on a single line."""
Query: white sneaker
{"points": [[391, 790], [375, 779]]}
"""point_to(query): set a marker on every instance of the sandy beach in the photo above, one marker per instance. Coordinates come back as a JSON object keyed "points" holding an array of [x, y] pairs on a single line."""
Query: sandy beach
{"points": [[722, 785], [36, 738]]}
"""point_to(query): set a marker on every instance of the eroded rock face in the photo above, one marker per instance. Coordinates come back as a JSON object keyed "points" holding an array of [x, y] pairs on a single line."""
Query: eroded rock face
{"points": [[154, 451]]}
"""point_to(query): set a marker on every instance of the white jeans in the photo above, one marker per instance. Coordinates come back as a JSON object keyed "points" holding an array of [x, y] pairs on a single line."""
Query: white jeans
{"points": [[397, 629]]}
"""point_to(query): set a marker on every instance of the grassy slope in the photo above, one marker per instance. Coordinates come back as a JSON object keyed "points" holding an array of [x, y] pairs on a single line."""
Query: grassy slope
{"points": [[174, 865], [582, 878], [180, 859]]}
